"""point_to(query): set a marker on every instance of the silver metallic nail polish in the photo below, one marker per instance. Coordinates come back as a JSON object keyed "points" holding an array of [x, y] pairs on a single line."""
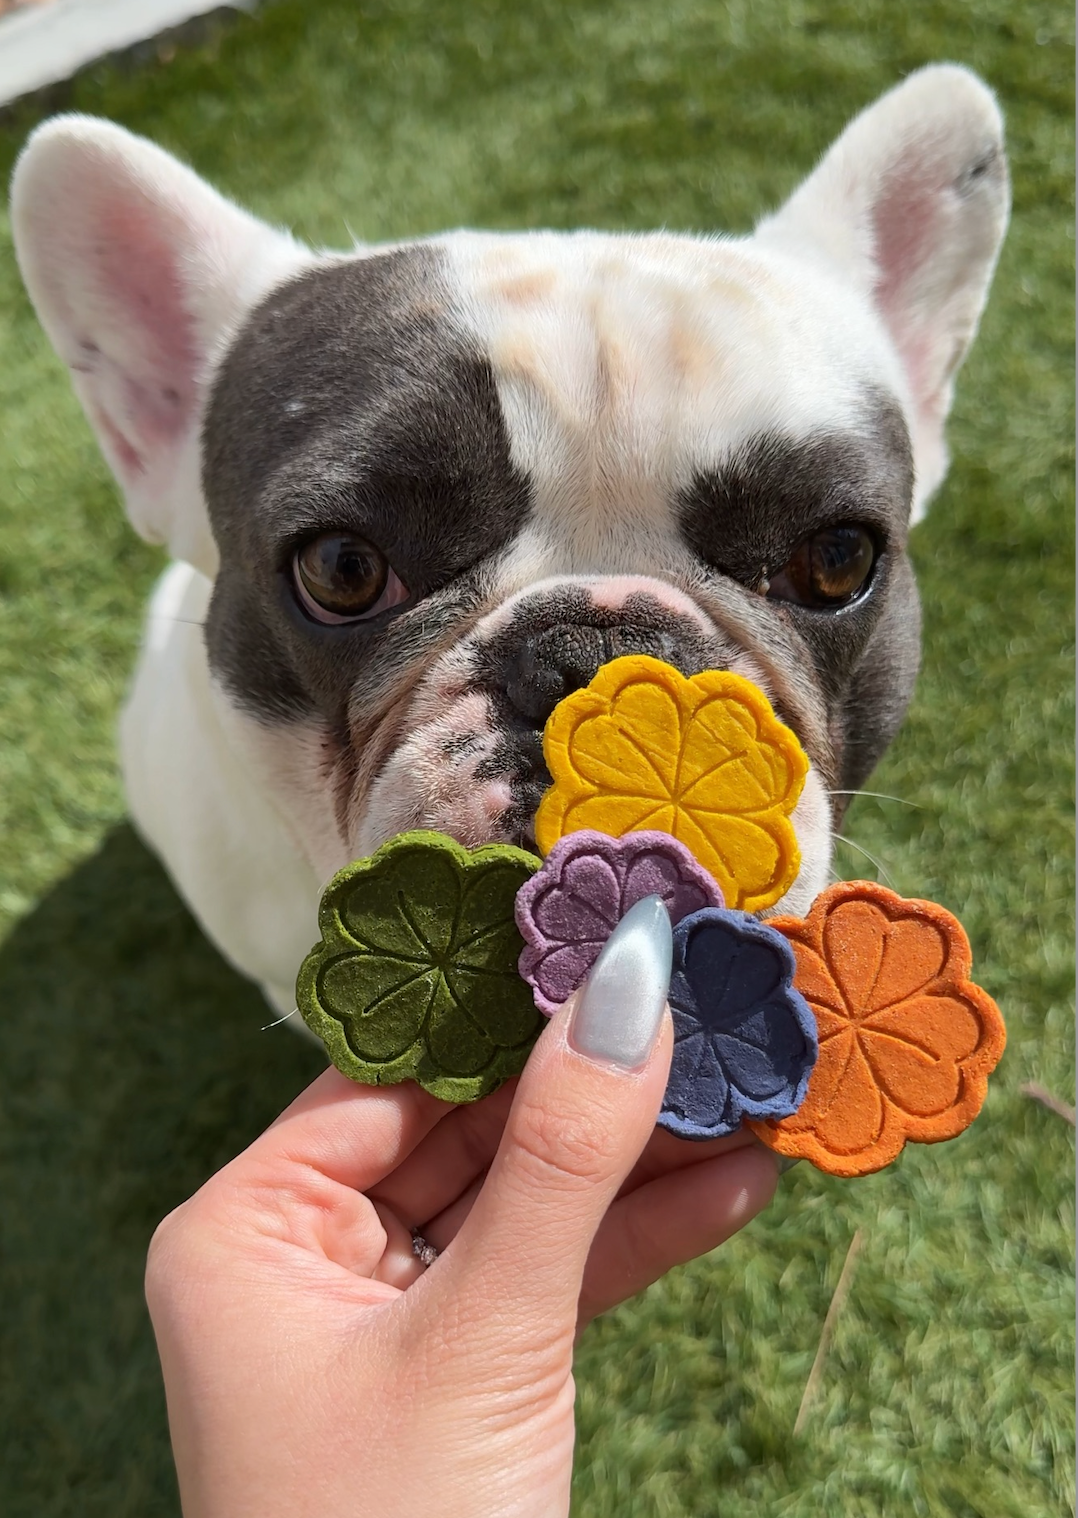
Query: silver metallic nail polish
{"points": [[620, 1010]]}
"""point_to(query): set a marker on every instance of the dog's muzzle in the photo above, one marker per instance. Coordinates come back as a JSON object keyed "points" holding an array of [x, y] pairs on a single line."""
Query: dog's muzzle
{"points": [[547, 653], [472, 763]]}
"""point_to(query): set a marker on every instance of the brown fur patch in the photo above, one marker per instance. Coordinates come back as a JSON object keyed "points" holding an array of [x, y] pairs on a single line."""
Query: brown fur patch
{"points": [[526, 289], [691, 355]]}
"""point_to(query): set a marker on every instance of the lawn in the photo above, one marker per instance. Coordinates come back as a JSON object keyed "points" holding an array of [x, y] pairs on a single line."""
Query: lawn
{"points": [[133, 1059]]}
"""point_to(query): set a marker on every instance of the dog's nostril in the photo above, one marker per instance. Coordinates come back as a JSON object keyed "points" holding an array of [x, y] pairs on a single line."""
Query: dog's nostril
{"points": [[565, 657], [536, 693], [559, 661], [642, 640]]}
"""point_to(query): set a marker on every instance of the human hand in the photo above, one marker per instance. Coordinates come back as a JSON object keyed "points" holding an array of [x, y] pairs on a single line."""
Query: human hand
{"points": [[314, 1366]]}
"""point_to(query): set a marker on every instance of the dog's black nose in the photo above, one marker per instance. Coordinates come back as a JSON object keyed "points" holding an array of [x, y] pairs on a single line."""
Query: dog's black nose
{"points": [[553, 645], [540, 671]]}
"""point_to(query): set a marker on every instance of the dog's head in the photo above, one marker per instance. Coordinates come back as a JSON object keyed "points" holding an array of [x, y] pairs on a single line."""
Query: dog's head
{"points": [[438, 484]]}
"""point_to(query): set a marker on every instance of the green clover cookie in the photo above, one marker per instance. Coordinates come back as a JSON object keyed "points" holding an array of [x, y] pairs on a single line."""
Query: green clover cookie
{"points": [[416, 974]]}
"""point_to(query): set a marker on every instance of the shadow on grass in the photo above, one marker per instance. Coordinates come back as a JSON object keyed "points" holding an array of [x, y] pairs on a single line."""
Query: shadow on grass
{"points": [[134, 1064]]}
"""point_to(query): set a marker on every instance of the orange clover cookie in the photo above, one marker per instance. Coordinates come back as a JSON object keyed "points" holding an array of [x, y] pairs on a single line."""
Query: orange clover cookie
{"points": [[907, 1041], [703, 758]]}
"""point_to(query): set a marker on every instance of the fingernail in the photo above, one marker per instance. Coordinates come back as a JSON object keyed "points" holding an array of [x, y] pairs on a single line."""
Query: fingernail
{"points": [[619, 1012]]}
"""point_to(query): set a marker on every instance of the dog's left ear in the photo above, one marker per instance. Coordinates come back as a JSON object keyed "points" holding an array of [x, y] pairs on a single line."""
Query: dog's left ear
{"points": [[909, 207], [140, 272]]}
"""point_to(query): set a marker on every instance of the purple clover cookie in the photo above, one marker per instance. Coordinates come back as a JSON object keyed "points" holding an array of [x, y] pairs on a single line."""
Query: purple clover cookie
{"points": [[744, 1040], [587, 883]]}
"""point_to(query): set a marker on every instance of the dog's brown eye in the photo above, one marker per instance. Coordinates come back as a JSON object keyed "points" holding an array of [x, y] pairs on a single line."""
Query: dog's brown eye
{"points": [[340, 577], [828, 570]]}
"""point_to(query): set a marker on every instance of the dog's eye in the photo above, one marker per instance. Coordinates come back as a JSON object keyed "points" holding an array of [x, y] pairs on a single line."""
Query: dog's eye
{"points": [[828, 570], [340, 577]]}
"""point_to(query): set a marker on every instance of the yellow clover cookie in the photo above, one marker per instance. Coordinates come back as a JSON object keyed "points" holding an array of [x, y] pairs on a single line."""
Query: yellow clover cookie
{"points": [[702, 758]]}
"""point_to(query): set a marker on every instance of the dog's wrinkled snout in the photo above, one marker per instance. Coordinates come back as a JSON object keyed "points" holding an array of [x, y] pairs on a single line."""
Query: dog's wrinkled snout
{"points": [[552, 645], [540, 671]]}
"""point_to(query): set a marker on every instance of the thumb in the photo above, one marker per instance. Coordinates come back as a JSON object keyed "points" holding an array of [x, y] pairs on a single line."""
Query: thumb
{"points": [[585, 1107]]}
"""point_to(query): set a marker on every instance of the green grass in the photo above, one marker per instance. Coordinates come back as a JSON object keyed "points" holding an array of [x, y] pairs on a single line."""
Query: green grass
{"points": [[132, 1060]]}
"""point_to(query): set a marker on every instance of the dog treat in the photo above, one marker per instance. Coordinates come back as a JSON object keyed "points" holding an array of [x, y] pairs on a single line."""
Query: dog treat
{"points": [[415, 977], [744, 1038], [907, 1041], [702, 758], [588, 882]]}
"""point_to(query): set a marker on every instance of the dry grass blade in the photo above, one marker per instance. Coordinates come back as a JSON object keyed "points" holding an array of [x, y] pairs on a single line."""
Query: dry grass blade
{"points": [[842, 1291], [1054, 1103]]}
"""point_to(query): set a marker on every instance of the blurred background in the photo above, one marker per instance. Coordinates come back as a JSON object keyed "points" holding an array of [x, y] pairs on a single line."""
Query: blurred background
{"points": [[133, 1062]]}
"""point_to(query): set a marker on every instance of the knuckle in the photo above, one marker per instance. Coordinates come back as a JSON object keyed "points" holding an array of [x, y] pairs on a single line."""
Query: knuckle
{"points": [[164, 1258], [560, 1142]]}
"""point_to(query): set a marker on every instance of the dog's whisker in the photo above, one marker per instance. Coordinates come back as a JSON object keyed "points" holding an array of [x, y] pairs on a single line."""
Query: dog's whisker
{"points": [[158, 616], [279, 1021], [841, 838], [879, 796]]}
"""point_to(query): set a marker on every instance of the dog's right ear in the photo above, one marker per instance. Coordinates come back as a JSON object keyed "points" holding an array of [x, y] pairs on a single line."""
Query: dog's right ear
{"points": [[140, 272]]}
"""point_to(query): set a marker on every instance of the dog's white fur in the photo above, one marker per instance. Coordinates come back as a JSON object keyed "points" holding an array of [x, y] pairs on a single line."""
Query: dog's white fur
{"points": [[875, 271]]}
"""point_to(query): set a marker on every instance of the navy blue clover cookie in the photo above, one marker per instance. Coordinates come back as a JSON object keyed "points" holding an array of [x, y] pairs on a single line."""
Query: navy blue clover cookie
{"points": [[744, 1039], [415, 975]]}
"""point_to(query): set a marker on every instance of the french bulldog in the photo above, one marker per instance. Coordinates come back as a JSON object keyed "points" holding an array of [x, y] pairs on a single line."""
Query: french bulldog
{"points": [[417, 493]]}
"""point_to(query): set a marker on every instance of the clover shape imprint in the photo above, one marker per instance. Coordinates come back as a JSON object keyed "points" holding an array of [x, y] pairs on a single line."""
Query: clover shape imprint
{"points": [[703, 758], [744, 1038], [569, 908], [415, 977], [907, 1040]]}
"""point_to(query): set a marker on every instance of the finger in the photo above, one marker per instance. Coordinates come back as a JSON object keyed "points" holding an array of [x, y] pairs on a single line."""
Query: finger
{"points": [[584, 1109], [348, 1133], [673, 1219], [659, 1159], [447, 1161], [301, 1184], [398, 1264], [666, 1152], [443, 1229]]}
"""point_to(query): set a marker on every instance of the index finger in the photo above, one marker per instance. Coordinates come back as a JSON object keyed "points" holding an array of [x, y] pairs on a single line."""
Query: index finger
{"points": [[352, 1134]]}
